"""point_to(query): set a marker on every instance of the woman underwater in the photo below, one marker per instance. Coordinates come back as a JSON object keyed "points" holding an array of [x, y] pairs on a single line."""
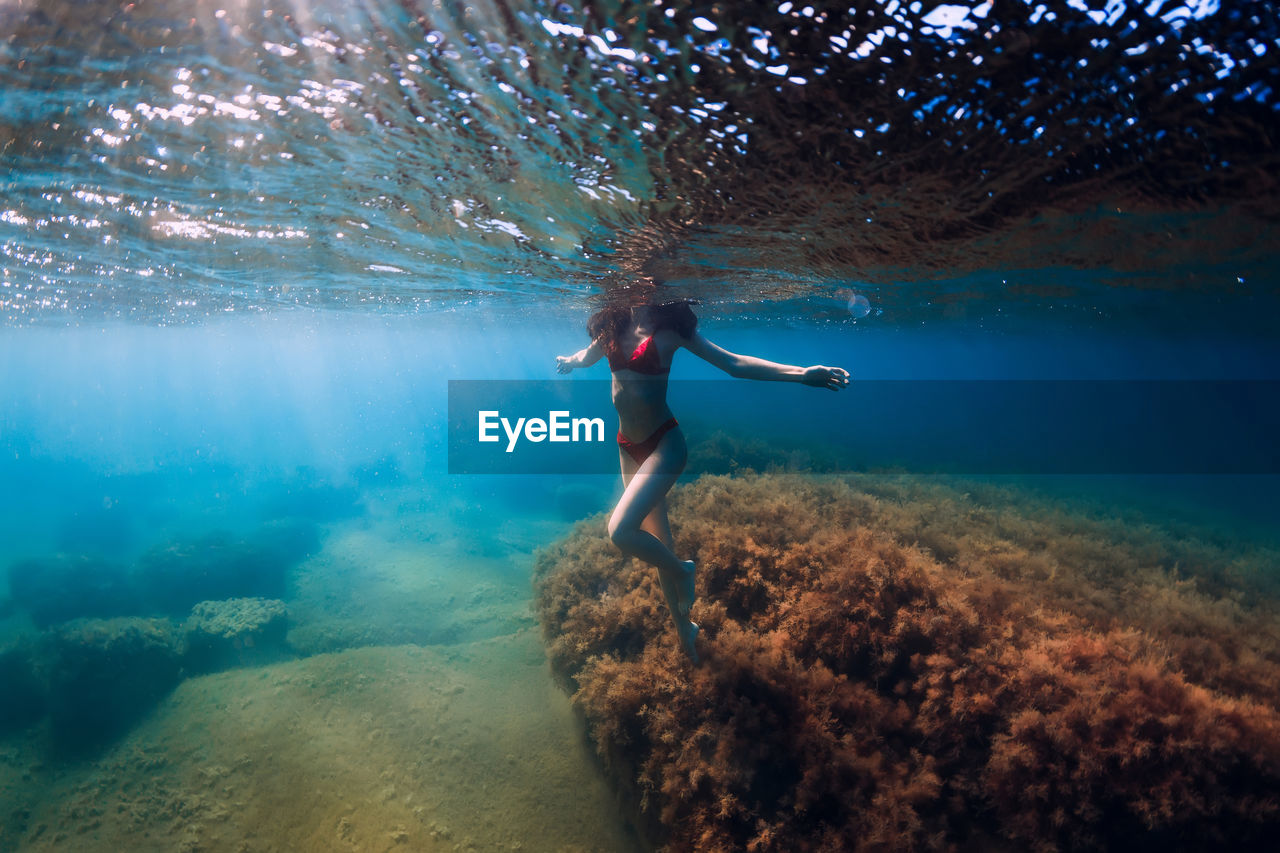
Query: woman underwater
{"points": [[639, 343]]}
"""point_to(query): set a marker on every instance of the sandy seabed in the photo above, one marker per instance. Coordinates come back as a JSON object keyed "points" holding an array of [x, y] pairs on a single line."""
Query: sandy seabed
{"points": [[381, 748], [434, 726]]}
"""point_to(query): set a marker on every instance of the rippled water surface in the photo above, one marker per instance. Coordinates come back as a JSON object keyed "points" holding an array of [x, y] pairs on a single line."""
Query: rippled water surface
{"points": [[165, 161]]}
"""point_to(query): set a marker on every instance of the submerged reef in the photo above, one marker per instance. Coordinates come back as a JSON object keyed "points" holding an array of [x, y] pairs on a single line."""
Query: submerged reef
{"points": [[24, 696], [167, 579], [894, 663], [174, 577], [235, 632], [103, 674], [94, 678], [61, 587]]}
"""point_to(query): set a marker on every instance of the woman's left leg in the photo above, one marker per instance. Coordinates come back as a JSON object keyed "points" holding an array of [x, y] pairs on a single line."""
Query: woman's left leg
{"points": [[648, 487], [657, 523]]}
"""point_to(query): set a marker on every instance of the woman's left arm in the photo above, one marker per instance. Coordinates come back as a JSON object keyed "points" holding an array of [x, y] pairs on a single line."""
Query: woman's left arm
{"points": [[750, 367]]}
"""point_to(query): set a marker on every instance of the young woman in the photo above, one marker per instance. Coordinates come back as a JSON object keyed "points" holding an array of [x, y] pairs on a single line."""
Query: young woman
{"points": [[639, 342]]}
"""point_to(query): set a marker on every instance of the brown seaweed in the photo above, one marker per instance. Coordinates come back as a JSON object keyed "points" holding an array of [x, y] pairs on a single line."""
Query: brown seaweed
{"points": [[894, 664]]}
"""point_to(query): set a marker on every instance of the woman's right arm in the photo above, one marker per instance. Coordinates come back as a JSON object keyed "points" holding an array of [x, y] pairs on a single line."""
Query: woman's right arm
{"points": [[582, 358]]}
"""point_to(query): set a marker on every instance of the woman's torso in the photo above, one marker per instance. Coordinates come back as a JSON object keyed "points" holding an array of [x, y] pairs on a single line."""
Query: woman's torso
{"points": [[640, 366]]}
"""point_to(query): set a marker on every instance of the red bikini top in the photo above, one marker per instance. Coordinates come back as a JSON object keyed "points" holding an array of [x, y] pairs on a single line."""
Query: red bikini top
{"points": [[643, 360]]}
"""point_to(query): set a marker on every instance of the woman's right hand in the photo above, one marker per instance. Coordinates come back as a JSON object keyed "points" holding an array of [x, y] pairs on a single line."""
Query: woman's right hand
{"points": [[565, 363]]}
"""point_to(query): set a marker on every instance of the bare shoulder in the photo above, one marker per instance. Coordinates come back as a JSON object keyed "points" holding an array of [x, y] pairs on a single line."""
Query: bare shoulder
{"points": [[703, 348], [667, 341]]}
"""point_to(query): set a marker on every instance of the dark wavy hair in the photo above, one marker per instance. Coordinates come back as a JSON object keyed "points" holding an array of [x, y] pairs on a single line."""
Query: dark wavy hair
{"points": [[611, 322]]}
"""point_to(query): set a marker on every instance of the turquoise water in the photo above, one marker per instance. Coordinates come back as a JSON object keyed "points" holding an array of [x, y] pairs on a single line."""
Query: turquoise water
{"points": [[245, 602]]}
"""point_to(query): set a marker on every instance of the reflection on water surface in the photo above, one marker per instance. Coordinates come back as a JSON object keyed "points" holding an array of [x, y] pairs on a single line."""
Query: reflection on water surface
{"points": [[174, 160]]}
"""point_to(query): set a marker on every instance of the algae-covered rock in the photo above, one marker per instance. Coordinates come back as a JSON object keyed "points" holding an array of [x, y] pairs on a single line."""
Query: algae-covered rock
{"points": [[104, 674], [167, 579], [235, 632], [176, 576], [23, 695], [896, 665], [70, 586]]}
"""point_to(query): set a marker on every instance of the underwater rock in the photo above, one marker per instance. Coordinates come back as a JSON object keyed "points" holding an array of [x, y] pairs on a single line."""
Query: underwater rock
{"points": [[235, 632], [722, 452], [58, 588], [104, 674], [858, 693], [175, 577], [168, 578], [23, 701]]}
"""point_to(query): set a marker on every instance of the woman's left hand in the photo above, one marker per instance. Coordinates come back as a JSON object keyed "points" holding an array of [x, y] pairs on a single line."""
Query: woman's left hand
{"points": [[818, 376], [565, 363]]}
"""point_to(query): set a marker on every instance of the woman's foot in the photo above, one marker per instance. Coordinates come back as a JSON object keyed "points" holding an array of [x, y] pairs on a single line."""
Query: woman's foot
{"points": [[689, 640], [686, 588]]}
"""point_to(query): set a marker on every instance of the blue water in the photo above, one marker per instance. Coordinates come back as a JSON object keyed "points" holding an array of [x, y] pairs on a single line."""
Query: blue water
{"points": [[319, 440], [245, 250], [208, 416]]}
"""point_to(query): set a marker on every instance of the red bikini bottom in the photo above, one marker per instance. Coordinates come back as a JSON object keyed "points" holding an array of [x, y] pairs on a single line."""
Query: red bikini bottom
{"points": [[642, 450]]}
